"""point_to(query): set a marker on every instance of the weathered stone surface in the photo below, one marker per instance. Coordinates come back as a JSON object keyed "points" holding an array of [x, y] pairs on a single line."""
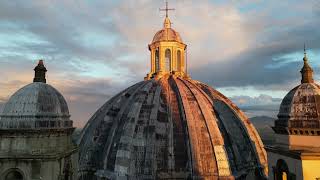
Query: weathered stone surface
{"points": [[37, 105], [300, 110], [170, 128]]}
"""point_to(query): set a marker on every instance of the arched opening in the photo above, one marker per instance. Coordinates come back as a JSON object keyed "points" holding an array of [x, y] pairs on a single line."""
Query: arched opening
{"points": [[67, 171], [281, 171], [179, 60], [14, 175], [157, 60], [167, 60]]}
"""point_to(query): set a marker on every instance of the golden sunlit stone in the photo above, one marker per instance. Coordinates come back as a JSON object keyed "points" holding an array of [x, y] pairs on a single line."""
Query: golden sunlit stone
{"points": [[167, 53]]}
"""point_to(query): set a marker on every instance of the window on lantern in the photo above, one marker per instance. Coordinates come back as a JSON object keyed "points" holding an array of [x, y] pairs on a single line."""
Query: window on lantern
{"points": [[157, 60], [167, 60], [179, 60]]}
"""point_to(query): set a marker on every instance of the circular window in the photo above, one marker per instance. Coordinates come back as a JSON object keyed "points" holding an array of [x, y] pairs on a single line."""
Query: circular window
{"points": [[14, 175]]}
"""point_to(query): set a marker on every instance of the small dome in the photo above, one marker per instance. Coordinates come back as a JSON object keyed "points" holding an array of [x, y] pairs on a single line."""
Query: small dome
{"points": [[300, 108], [170, 128], [37, 105], [167, 34]]}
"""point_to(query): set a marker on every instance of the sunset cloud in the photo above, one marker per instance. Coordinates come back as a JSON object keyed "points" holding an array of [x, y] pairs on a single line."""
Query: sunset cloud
{"points": [[94, 49]]}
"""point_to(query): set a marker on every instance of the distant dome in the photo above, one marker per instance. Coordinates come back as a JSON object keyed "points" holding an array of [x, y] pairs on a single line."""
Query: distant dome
{"points": [[170, 128], [300, 108], [37, 105]]}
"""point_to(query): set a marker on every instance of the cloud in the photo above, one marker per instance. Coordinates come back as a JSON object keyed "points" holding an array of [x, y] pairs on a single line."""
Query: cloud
{"points": [[85, 97], [93, 49], [258, 105], [253, 101]]}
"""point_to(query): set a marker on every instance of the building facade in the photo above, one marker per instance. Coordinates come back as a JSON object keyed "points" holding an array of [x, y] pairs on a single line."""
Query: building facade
{"points": [[35, 134], [296, 154]]}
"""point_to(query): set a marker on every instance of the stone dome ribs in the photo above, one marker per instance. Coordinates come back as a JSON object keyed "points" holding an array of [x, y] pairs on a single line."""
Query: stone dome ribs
{"points": [[169, 128]]}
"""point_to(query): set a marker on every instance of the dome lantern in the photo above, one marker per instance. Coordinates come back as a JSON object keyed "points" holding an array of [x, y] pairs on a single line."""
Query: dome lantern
{"points": [[306, 71], [40, 72], [168, 51]]}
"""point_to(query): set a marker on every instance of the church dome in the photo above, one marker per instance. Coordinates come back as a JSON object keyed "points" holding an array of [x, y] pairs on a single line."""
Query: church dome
{"points": [[170, 128], [300, 108], [167, 33], [36, 105]]}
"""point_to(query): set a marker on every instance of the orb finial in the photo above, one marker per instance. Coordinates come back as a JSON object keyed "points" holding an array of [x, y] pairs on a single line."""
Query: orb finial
{"points": [[40, 72]]}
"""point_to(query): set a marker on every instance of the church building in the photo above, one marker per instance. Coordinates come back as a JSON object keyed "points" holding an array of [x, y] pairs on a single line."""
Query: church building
{"points": [[296, 154], [35, 134]]}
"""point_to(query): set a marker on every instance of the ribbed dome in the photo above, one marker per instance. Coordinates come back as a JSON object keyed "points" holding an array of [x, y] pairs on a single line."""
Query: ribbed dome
{"points": [[300, 108], [167, 34], [37, 105], [170, 128]]}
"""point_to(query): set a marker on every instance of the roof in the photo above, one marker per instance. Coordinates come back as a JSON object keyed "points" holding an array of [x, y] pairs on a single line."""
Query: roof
{"points": [[170, 127], [167, 33], [36, 105], [300, 108]]}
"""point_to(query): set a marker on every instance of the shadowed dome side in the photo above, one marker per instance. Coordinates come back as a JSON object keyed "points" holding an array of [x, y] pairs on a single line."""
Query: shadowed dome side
{"points": [[170, 128], [36, 105]]}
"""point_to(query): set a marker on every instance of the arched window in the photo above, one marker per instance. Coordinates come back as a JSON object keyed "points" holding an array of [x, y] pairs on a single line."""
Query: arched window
{"points": [[167, 60], [281, 170], [179, 60], [157, 60], [14, 175]]}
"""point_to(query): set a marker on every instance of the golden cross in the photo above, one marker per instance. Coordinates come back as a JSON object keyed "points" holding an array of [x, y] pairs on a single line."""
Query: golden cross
{"points": [[167, 9]]}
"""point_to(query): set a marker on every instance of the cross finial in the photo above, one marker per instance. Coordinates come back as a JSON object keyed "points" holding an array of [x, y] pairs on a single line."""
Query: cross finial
{"points": [[167, 9]]}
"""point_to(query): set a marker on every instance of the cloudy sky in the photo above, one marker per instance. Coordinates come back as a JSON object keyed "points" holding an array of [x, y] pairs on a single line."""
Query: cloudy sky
{"points": [[250, 50]]}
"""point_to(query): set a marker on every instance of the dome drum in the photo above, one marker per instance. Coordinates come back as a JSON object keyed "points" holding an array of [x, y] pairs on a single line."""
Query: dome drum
{"points": [[31, 123]]}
